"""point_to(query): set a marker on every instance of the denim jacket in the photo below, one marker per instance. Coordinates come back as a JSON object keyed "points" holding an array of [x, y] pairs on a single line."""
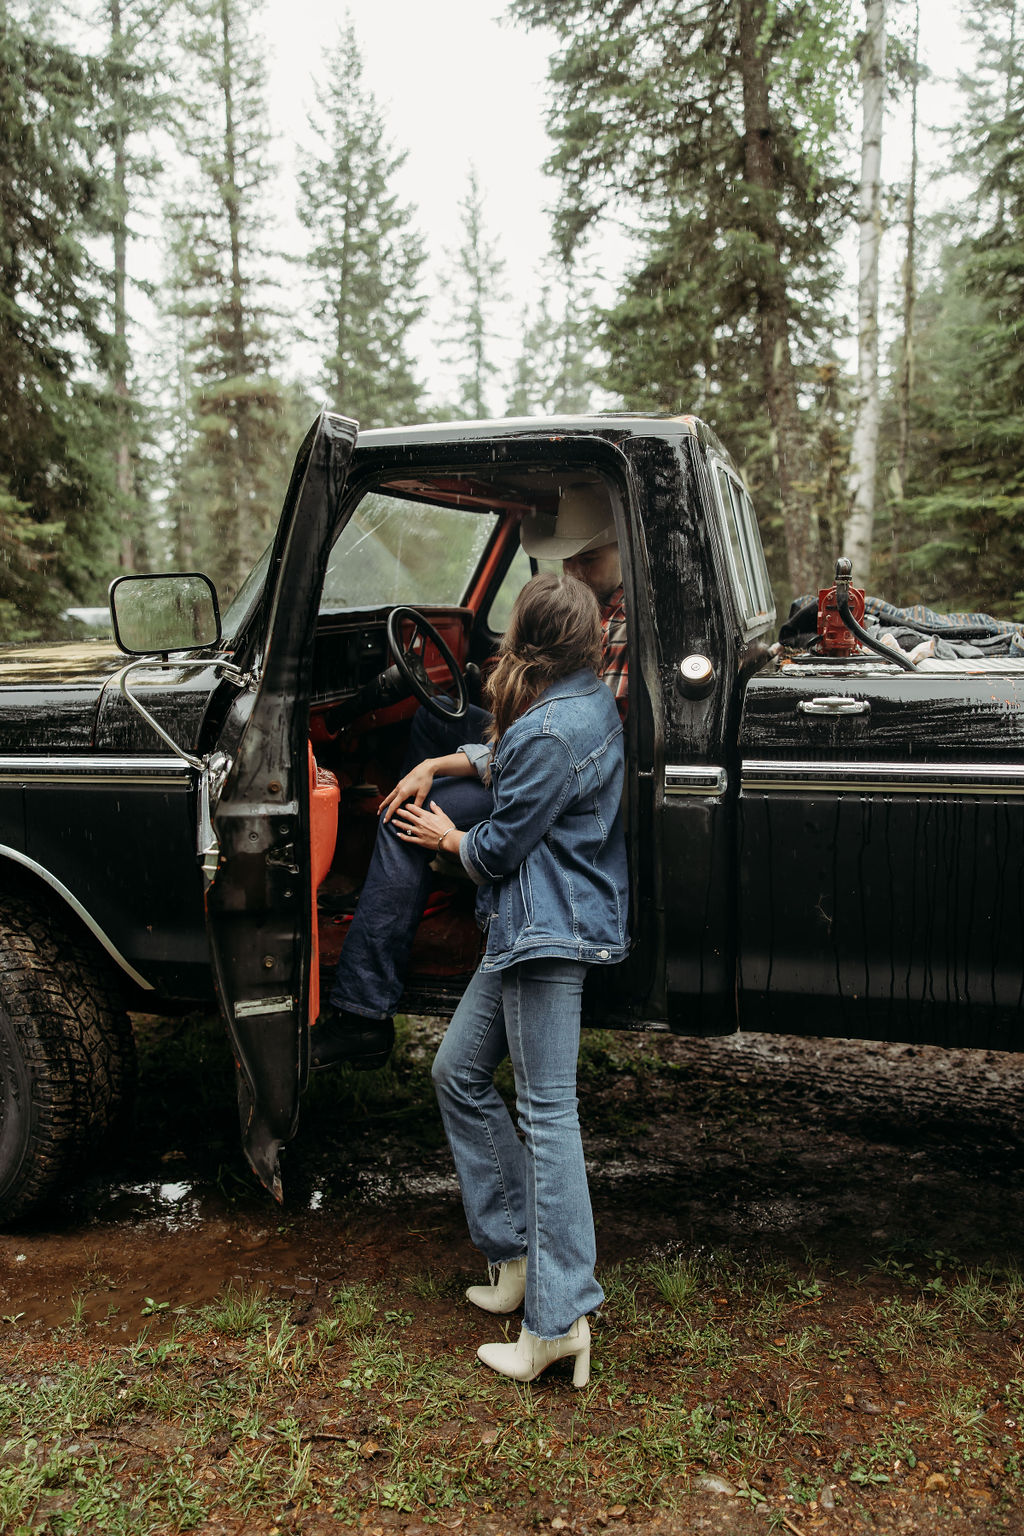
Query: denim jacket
{"points": [[551, 858]]}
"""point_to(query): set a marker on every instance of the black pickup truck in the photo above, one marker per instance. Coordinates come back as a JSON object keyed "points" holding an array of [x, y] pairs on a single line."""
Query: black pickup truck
{"points": [[829, 845]]}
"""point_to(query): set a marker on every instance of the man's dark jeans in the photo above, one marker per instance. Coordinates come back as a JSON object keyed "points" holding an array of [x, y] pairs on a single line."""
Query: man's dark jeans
{"points": [[371, 971]]}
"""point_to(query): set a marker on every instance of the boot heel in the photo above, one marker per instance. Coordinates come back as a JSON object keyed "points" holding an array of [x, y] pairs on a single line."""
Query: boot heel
{"points": [[525, 1359]]}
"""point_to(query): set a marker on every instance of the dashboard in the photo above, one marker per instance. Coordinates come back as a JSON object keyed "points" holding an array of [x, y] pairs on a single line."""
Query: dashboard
{"points": [[351, 648]]}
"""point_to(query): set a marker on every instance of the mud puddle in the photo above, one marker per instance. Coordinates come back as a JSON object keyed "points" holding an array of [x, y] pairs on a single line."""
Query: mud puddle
{"points": [[799, 1146]]}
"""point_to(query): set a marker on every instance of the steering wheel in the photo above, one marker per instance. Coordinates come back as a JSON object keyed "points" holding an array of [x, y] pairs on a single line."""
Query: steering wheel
{"points": [[413, 671]]}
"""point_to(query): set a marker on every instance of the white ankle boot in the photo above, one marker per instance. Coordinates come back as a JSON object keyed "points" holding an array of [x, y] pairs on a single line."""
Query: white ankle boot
{"points": [[506, 1289], [528, 1356]]}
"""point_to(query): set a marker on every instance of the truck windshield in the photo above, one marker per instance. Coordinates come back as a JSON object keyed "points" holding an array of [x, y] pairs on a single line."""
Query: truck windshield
{"points": [[232, 620], [393, 550], [390, 551]]}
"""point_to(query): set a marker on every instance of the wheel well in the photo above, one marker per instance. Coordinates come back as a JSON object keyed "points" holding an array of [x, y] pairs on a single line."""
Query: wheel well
{"points": [[22, 877]]}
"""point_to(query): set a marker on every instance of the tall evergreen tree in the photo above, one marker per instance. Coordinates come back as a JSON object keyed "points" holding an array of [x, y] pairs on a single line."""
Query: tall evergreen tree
{"points": [[365, 253], [137, 105], [714, 128], [55, 482], [474, 286], [556, 369], [242, 432]]}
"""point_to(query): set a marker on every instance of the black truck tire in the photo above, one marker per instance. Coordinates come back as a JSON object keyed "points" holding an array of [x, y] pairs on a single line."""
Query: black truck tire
{"points": [[67, 1059]]}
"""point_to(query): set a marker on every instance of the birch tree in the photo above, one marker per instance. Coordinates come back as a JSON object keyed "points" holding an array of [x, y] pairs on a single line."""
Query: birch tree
{"points": [[905, 382], [864, 450]]}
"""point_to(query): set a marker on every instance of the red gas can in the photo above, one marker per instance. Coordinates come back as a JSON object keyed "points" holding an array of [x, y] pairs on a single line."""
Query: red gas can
{"points": [[834, 637]]}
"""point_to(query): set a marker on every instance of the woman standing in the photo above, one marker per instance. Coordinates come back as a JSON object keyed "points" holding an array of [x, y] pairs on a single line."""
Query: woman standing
{"points": [[550, 862]]}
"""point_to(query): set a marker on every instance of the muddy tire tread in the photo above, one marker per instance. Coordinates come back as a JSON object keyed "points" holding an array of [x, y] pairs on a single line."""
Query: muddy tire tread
{"points": [[75, 1044]]}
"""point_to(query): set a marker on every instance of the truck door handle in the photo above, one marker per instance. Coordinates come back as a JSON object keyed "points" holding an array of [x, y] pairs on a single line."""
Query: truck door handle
{"points": [[833, 704]]}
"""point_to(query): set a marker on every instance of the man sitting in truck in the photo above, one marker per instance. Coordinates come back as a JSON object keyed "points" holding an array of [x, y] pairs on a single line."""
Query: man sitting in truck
{"points": [[357, 1025]]}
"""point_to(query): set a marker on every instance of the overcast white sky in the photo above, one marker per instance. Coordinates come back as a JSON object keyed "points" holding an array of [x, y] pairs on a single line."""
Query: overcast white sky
{"points": [[458, 85]]}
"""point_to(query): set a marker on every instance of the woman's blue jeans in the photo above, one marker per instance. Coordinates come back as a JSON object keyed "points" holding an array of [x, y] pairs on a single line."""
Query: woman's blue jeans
{"points": [[523, 1196]]}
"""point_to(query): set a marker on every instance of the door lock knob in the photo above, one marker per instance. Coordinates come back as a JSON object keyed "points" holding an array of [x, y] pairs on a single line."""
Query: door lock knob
{"points": [[696, 675]]}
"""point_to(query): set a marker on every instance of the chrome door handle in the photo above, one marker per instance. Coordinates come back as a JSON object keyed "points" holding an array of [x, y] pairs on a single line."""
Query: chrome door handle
{"points": [[833, 704]]}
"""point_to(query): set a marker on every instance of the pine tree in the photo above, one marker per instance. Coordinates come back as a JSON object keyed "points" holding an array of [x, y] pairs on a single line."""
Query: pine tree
{"points": [[242, 432], [137, 105], [55, 483], [365, 253], [556, 370], [714, 130], [474, 288]]}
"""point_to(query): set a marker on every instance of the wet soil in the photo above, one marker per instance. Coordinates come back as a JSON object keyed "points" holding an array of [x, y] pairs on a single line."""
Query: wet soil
{"points": [[848, 1148], [801, 1149]]}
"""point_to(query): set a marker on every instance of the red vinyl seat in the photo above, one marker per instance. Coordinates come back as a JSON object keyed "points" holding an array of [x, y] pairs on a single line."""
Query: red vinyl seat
{"points": [[324, 795]]}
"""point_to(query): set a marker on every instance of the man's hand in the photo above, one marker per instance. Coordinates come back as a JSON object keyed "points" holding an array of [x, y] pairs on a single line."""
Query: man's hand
{"points": [[416, 786]]}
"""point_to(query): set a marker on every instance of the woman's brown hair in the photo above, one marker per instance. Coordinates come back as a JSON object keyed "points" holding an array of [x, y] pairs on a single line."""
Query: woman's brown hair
{"points": [[555, 630]]}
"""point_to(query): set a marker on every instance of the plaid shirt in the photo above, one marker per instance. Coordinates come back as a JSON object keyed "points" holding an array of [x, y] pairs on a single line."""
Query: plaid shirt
{"points": [[615, 665]]}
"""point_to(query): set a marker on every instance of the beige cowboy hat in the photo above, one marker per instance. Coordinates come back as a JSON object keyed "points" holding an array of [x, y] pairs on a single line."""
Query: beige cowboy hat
{"points": [[584, 521]]}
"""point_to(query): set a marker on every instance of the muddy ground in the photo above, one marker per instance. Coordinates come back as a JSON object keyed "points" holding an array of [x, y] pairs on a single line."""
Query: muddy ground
{"points": [[831, 1156], [847, 1148]]}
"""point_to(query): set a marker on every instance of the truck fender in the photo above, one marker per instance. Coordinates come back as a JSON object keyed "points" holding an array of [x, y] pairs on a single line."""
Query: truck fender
{"points": [[13, 856]]}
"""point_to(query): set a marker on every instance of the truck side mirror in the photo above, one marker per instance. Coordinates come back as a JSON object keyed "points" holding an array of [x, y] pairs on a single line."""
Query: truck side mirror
{"points": [[157, 614]]}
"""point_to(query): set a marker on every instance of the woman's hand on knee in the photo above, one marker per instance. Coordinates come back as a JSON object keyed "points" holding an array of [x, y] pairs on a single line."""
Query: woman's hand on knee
{"points": [[431, 829]]}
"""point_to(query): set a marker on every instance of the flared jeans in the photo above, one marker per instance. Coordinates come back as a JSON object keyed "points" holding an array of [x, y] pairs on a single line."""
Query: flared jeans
{"points": [[523, 1196]]}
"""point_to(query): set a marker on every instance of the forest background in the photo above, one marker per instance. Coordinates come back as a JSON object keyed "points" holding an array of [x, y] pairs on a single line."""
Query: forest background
{"points": [[149, 420]]}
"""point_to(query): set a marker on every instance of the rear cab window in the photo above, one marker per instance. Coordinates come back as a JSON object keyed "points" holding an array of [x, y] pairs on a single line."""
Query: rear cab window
{"points": [[748, 573]]}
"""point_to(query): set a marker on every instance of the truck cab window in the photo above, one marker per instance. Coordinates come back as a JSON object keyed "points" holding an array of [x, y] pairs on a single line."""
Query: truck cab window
{"points": [[513, 582], [747, 568]]}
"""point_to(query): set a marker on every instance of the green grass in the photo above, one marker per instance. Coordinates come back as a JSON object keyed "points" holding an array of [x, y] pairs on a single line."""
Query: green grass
{"points": [[240, 1313], [783, 1379]]}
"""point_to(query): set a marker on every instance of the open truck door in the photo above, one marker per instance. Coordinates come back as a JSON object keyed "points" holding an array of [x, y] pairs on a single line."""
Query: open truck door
{"points": [[260, 904]]}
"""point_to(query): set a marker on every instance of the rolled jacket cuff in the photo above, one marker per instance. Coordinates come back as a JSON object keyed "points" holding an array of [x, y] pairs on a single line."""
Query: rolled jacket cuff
{"points": [[479, 754], [478, 875]]}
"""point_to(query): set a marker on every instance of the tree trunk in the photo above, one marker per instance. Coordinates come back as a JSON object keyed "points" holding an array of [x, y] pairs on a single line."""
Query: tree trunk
{"points": [[342, 307], [237, 350], [905, 384], [183, 535], [126, 508], [864, 447], [799, 515]]}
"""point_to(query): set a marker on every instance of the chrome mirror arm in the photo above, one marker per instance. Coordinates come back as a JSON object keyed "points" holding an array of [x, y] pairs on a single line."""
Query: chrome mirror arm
{"points": [[233, 673], [212, 769]]}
